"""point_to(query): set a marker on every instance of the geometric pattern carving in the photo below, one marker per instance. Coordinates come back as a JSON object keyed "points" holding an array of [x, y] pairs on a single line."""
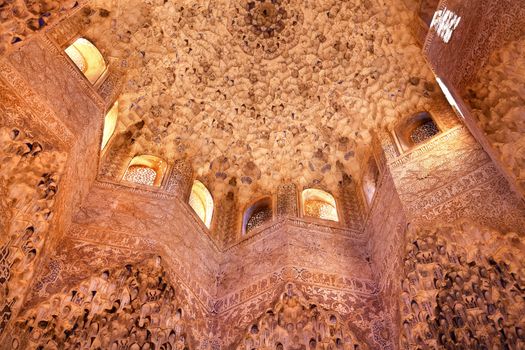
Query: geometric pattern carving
{"points": [[111, 86], [438, 181], [181, 179], [265, 28], [352, 204], [258, 214], [424, 132], [226, 219], [140, 174], [287, 200]]}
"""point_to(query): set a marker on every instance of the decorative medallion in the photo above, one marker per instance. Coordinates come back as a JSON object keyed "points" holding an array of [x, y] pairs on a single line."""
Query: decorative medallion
{"points": [[266, 28]]}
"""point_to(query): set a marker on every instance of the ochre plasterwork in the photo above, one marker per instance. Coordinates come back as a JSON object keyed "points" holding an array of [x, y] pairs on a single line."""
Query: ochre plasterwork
{"points": [[225, 282], [462, 285], [132, 306], [205, 91], [498, 104], [486, 25], [29, 181], [23, 19], [295, 322]]}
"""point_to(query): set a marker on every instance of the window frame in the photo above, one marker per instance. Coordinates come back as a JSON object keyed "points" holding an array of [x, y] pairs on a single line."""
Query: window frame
{"points": [[323, 192], [249, 209], [208, 220], [102, 76], [157, 164], [404, 129]]}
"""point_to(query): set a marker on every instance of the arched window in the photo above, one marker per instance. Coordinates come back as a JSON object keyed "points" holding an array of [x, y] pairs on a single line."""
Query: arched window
{"points": [[146, 170], [319, 204], [202, 202], [370, 180], [417, 129], [110, 122], [88, 59], [257, 214]]}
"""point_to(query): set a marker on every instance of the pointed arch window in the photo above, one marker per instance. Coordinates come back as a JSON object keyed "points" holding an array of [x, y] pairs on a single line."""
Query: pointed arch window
{"points": [[319, 204], [146, 170], [88, 59], [202, 202], [257, 214], [110, 123]]}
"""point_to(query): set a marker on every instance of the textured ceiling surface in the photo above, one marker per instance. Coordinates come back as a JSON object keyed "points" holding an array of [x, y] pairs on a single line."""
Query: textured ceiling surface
{"points": [[497, 98], [263, 91]]}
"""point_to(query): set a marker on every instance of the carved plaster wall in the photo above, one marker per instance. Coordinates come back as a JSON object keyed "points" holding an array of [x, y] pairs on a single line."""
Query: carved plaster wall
{"points": [[462, 287], [29, 182], [358, 311], [65, 114], [72, 110], [271, 105], [329, 262], [295, 323], [23, 19], [385, 227], [438, 185], [131, 307], [497, 100], [485, 26], [438, 180]]}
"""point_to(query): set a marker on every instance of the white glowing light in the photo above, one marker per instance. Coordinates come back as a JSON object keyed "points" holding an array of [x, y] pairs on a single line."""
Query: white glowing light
{"points": [[202, 202], [449, 97], [445, 22]]}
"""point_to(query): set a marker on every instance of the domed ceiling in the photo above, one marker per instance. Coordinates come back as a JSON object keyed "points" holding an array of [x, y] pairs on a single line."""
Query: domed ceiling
{"points": [[263, 91]]}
